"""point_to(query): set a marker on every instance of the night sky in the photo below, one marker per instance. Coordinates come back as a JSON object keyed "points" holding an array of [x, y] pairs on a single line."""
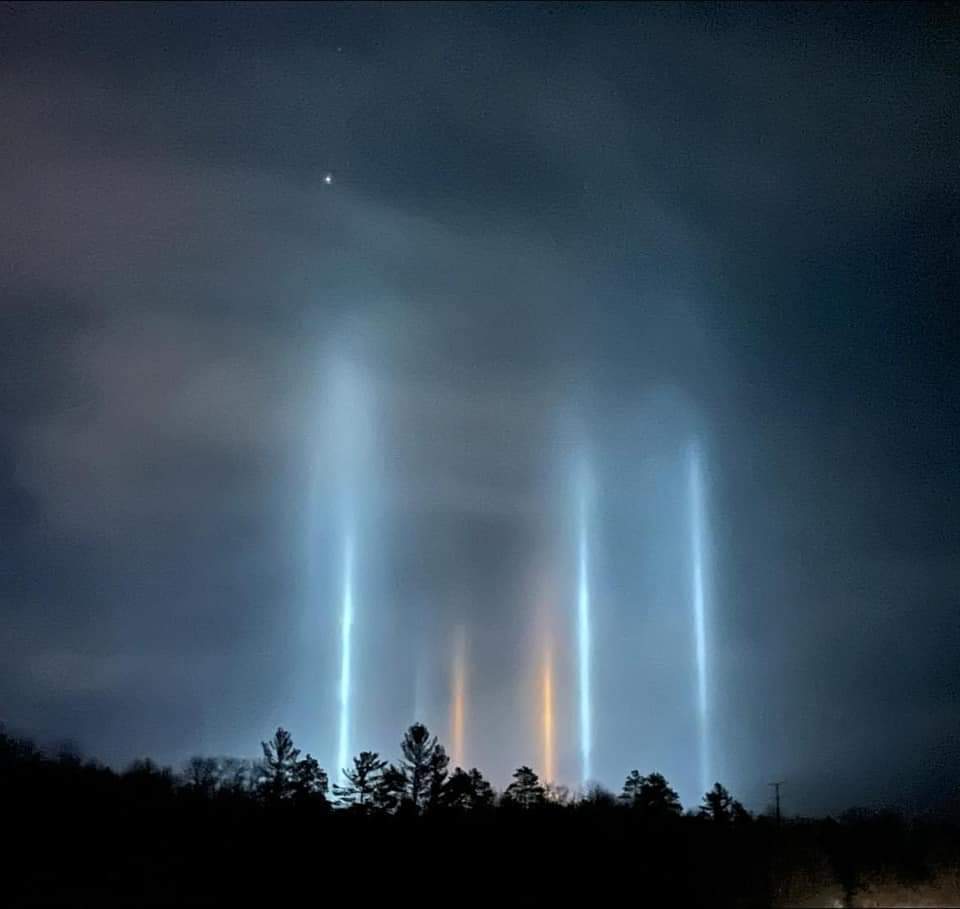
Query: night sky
{"points": [[553, 232]]}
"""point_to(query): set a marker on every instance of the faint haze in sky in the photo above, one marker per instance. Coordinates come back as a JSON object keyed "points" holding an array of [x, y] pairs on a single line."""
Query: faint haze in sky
{"points": [[551, 230]]}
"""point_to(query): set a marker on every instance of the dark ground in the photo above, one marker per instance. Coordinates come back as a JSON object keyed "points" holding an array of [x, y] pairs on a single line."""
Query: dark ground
{"points": [[80, 834]]}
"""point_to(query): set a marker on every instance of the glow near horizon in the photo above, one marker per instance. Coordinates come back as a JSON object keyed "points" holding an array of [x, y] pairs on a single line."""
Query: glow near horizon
{"points": [[346, 628], [699, 610], [583, 635]]}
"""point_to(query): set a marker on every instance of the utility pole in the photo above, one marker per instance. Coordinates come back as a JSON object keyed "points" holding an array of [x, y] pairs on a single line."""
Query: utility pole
{"points": [[776, 788]]}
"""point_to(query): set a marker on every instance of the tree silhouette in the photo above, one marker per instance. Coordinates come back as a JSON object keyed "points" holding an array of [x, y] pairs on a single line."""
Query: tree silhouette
{"points": [[437, 778], [740, 814], [418, 749], [237, 776], [721, 807], [148, 781], [68, 753], [651, 795], [202, 775], [362, 781], [468, 791], [598, 799], [459, 794], [309, 782], [279, 765], [390, 790], [186, 833], [16, 751], [483, 795], [525, 791], [631, 787]]}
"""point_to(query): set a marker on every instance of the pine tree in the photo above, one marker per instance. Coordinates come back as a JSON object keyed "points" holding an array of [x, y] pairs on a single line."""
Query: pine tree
{"points": [[362, 780], [482, 795], [652, 795], [391, 789], [721, 807], [525, 791], [309, 782], [418, 749], [459, 792], [279, 765], [631, 787], [468, 791], [437, 779]]}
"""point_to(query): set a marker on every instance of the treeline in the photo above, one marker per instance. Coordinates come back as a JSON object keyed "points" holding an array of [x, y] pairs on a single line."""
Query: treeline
{"points": [[422, 782], [415, 830]]}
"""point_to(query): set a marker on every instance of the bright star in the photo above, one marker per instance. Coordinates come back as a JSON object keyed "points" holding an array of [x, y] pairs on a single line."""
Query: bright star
{"points": [[328, 179]]}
